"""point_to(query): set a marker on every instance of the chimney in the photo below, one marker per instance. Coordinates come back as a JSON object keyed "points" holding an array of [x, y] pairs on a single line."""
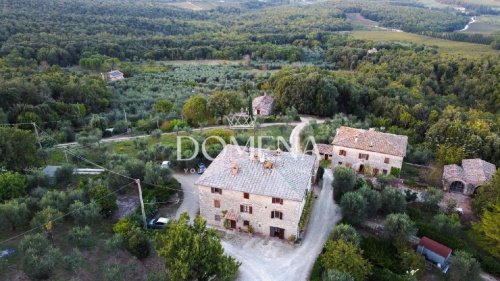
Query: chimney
{"points": [[256, 158], [265, 94], [356, 139], [371, 130], [234, 169], [278, 151]]}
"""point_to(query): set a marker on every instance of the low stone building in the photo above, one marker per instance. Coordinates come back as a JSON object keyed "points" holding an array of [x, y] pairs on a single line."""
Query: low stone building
{"points": [[325, 150], [113, 75], [368, 151], [263, 105], [467, 178], [256, 190]]}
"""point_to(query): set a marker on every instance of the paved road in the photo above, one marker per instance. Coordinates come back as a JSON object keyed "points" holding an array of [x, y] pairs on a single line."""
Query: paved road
{"points": [[267, 259], [190, 203]]}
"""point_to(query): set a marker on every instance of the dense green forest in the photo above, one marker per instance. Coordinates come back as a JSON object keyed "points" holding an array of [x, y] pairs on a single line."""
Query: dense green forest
{"points": [[404, 88]]}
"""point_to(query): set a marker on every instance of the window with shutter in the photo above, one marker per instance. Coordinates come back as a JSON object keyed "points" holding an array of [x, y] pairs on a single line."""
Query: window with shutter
{"points": [[217, 203], [277, 200], [246, 209], [246, 195], [386, 160]]}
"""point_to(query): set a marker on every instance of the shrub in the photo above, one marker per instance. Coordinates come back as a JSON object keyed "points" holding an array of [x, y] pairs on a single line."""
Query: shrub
{"points": [[45, 216], [346, 233], [393, 201], [353, 207], [120, 127], [446, 224], [380, 253], [39, 256], [56, 199], [81, 237], [104, 197], [345, 257], [463, 267], [395, 172], [431, 197], [73, 261], [373, 200], [344, 180], [113, 243], [12, 185], [85, 214], [137, 243], [65, 174], [410, 196], [399, 226], [386, 180], [335, 275]]}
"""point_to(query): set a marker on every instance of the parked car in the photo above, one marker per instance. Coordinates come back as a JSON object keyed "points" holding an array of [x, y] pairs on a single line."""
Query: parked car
{"points": [[165, 165], [158, 223], [201, 168]]}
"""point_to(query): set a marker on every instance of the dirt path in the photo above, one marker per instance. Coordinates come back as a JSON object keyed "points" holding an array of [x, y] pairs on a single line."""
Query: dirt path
{"points": [[268, 259], [127, 138], [295, 135]]}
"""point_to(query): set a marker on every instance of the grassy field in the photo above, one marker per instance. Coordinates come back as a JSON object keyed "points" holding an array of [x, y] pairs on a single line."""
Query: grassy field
{"points": [[359, 22], [444, 46], [483, 2], [485, 25]]}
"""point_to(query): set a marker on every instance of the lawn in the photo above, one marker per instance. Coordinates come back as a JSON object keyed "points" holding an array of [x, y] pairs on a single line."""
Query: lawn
{"points": [[445, 46]]}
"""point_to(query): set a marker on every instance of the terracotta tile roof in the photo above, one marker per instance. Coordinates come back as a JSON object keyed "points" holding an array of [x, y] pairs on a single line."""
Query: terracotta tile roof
{"points": [[324, 148], [434, 246], [231, 215], [263, 102], [288, 178], [371, 140]]}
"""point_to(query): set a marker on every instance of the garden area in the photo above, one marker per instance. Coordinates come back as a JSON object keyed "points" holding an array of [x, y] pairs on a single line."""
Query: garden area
{"points": [[380, 225]]}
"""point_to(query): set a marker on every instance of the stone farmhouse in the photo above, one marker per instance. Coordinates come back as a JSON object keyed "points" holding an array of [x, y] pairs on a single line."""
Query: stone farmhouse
{"points": [[368, 151], [466, 179], [256, 190], [263, 105]]}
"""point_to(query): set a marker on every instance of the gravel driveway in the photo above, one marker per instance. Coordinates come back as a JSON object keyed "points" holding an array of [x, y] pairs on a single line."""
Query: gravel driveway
{"points": [[270, 259]]}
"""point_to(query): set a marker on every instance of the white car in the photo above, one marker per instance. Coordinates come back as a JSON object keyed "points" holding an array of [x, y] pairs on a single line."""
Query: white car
{"points": [[158, 223], [165, 165]]}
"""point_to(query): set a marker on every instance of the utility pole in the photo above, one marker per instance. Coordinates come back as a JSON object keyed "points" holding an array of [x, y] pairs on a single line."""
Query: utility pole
{"points": [[138, 181], [125, 113], [37, 137]]}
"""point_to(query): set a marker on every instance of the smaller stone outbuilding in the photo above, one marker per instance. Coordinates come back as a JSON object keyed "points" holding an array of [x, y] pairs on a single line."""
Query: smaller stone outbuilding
{"points": [[113, 75], [434, 252], [325, 150], [263, 105], [467, 178]]}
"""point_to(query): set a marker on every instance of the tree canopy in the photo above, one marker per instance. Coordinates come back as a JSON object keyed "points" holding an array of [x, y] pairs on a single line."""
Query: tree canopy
{"points": [[194, 252]]}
